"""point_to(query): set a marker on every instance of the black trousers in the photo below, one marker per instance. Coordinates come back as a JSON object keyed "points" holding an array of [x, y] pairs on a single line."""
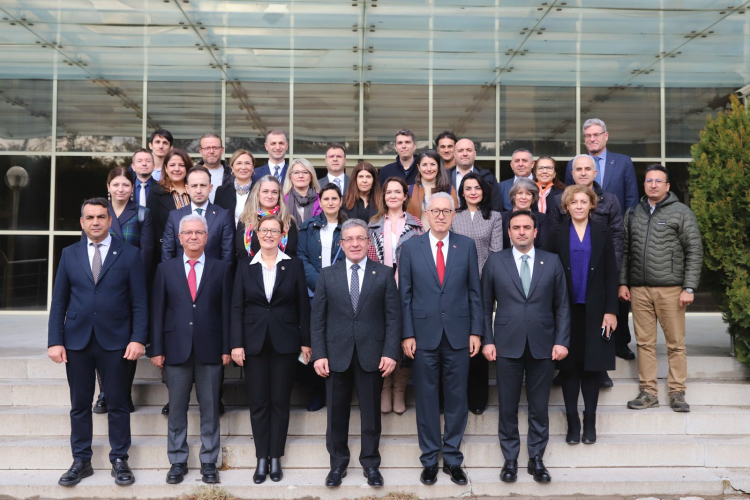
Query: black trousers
{"points": [[479, 382], [269, 378], [622, 332], [81, 370], [578, 381], [132, 365], [339, 387]]}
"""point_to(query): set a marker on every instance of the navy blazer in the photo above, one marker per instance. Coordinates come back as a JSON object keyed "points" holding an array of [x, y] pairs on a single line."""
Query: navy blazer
{"points": [[619, 179], [266, 170], [115, 309], [430, 309], [220, 233], [180, 326]]}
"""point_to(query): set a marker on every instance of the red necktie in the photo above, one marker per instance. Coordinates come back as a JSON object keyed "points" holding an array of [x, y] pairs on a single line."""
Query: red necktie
{"points": [[192, 280], [440, 262]]}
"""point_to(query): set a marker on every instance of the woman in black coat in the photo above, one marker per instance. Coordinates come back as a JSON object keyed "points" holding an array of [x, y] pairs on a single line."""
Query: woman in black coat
{"points": [[270, 326], [587, 253]]}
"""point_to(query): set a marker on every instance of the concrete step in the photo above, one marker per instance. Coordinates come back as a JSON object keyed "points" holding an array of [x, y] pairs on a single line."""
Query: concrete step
{"points": [[32, 421], [401, 451], [308, 483]]}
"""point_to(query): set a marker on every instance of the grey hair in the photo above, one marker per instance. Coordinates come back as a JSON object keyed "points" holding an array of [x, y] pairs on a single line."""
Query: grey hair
{"points": [[577, 157], [594, 121], [523, 150], [350, 223], [192, 217], [442, 196], [528, 185], [211, 135]]}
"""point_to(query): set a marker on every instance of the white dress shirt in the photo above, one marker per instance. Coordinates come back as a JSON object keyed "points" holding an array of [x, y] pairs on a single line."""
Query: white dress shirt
{"points": [[204, 208], [360, 273], [460, 176], [198, 268], [269, 273], [530, 177], [240, 206], [102, 249], [326, 243], [433, 246], [517, 257]]}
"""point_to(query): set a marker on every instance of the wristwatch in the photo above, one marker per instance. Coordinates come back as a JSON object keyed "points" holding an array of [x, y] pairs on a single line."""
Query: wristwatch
{"points": [[689, 290]]}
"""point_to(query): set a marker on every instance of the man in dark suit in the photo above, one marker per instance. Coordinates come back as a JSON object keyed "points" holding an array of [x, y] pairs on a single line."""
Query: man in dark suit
{"points": [[356, 333], [142, 166], [531, 332], [336, 166], [464, 154], [442, 308], [98, 320], [522, 164], [277, 144], [220, 222], [192, 298]]}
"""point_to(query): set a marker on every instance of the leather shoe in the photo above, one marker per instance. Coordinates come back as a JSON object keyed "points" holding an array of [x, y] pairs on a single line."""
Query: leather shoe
{"points": [[261, 471], [429, 475], [77, 471], [122, 473], [557, 380], [373, 475], [537, 469], [509, 473], [101, 404], [604, 380], [335, 476], [221, 408], [316, 402], [210, 473], [457, 474], [131, 406], [165, 409], [476, 411], [625, 353], [177, 473], [276, 473]]}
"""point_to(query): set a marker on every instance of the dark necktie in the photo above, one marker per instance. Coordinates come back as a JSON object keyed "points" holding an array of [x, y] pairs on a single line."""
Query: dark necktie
{"points": [[354, 289], [96, 262]]}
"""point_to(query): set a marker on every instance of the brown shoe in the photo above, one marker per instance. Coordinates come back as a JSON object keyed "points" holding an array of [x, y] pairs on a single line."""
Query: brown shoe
{"points": [[386, 395], [643, 401], [677, 402], [400, 380]]}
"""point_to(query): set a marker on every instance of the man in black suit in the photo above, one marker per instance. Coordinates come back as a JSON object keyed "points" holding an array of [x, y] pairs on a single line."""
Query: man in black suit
{"points": [[277, 145], [220, 222], [192, 298], [464, 155], [531, 332], [98, 320], [442, 307], [356, 332], [336, 166]]}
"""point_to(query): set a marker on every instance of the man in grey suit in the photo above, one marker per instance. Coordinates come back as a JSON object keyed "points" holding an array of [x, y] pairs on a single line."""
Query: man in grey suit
{"points": [[356, 332], [531, 332], [442, 304], [336, 166]]}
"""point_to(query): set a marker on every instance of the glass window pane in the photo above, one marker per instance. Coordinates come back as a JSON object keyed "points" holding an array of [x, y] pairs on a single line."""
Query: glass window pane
{"points": [[686, 111], [253, 109], [325, 113], [79, 178], [467, 111], [24, 192], [187, 109], [99, 115], [540, 119], [389, 108], [26, 108], [23, 272], [632, 116]]}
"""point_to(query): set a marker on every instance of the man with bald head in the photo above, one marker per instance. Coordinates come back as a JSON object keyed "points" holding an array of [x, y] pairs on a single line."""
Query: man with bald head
{"points": [[522, 163], [464, 154]]}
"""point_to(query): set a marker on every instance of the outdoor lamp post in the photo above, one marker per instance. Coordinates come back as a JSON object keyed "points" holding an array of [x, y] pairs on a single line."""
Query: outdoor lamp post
{"points": [[16, 178]]}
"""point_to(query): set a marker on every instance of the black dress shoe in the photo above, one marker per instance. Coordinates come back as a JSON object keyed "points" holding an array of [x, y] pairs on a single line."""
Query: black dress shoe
{"points": [[221, 408], [624, 352], [335, 476], [210, 473], [537, 469], [177, 473], [101, 404], [131, 406], [457, 474], [557, 381], [373, 475], [476, 411], [604, 380], [509, 473], [261, 471], [429, 475], [122, 473], [165, 410], [276, 473], [316, 402], [77, 471]]}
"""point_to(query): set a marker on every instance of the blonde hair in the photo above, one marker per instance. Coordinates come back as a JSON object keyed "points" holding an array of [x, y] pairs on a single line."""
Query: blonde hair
{"points": [[571, 191], [239, 153], [288, 186], [250, 216]]}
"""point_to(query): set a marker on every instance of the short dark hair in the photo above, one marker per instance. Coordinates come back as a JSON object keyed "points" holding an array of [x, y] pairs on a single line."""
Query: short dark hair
{"points": [[162, 133], [659, 168], [276, 131], [333, 187], [99, 202], [446, 135], [197, 168], [210, 135], [515, 214], [142, 150], [407, 132], [336, 145]]}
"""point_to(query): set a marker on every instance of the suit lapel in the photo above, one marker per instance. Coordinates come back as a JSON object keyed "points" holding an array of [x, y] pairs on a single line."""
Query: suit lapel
{"points": [[563, 241], [429, 260], [115, 248], [597, 245], [257, 273], [280, 273], [115, 228], [179, 270], [210, 215], [204, 276], [539, 266], [609, 170], [370, 275], [452, 251], [343, 282], [510, 267], [83, 257]]}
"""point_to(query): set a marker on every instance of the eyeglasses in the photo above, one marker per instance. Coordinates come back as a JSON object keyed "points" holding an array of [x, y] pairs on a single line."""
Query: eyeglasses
{"points": [[541, 169], [593, 136], [436, 213], [359, 239], [190, 234], [212, 148], [300, 173], [266, 230], [654, 181]]}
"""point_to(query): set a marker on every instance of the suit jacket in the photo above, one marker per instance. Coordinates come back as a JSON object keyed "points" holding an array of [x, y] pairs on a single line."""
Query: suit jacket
{"points": [[266, 170], [226, 197], [485, 173], [430, 309], [180, 326], [500, 196], [286, 319], [239, 241], [542, 319], [543, 222], [373, 330], [619, 179], [220, 233], [486, 233], [115, 309], [323, 181]]}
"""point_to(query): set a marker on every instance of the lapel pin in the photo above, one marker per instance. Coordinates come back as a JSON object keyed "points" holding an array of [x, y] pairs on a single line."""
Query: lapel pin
{"points": [[214, 212], [541, 262], [283, 268], [454, 246], [373, 272], [114, 253]]}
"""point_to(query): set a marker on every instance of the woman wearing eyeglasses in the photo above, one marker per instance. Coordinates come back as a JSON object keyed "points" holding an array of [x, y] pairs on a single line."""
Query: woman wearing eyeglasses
{"points": [[270, 329], [546, 179], [301, 191]]}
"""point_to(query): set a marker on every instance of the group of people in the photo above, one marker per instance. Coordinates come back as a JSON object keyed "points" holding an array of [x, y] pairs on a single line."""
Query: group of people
{"points": [[428, 269]]}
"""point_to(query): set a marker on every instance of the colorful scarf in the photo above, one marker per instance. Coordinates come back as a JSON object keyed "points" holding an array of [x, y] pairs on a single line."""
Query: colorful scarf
{"points": [[249, 231], [543, 193]]}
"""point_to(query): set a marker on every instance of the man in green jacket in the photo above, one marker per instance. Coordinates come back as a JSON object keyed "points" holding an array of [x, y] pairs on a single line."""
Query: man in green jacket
{"points": [[661, 266]]}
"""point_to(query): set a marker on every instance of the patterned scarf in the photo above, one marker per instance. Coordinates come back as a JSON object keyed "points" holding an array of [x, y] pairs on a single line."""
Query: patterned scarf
{"points": [[248, 241], [543, 193], [242, 190]]}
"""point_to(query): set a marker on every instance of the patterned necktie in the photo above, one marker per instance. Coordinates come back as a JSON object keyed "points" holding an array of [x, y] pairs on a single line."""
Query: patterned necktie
{"points": [[440, 262], [192, 279], [142, 200], [96, 262], [525, 275], [354, 289], [598, 178], [338, 183], [200, 211], [277, 172]]}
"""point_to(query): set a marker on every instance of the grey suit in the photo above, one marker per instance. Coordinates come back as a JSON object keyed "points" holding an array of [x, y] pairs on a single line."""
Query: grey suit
{"points": [[323, 181], [354, 343], [525, 330]]}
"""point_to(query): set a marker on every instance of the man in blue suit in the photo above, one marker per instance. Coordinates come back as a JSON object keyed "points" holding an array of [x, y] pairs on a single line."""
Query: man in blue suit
{"points": [[220, 221], [442, 328], [277, 145], [522, 163], [98, 320]]}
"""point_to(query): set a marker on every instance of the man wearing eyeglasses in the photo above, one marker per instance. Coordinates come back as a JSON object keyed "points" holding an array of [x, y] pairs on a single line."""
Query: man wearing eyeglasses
{"points": [[191, 304], [212, 154]]}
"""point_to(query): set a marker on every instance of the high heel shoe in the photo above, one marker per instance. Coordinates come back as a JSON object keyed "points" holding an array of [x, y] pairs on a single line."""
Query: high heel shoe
{"points": [[261, 471], [276, 473]]}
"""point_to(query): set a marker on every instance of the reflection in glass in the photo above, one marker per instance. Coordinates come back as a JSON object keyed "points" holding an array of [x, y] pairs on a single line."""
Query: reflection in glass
{"points": [[24, 192], [26, 110], [389, 108], [23, 272], [325, 113], [686, 111], [99, 115], [187, 109], [467, 111], [254, 109], [79, 178]]}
